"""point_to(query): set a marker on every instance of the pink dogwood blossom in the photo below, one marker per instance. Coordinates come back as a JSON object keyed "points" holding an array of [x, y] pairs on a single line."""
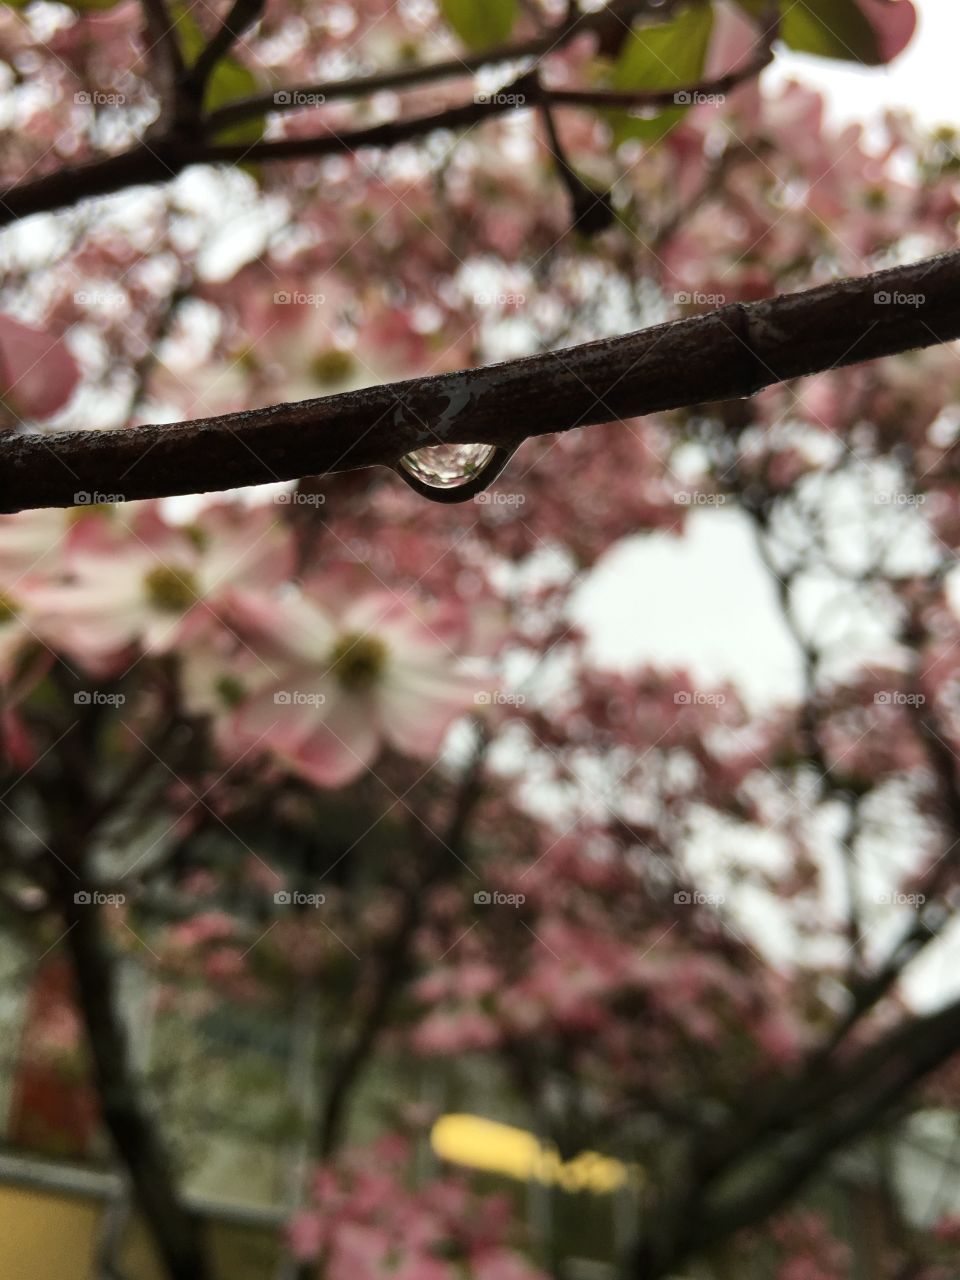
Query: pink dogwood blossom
{"points": [[152, 584], [368, 672]]}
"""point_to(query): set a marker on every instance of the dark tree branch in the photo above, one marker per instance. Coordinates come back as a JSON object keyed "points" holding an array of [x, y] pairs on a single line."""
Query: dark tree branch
{"points": [[294, 97], [725, 355], [242, 16], [791, 1151], [592, 211], [164, 157], [165, 59], [166, 154], [154, 161], [176, 1234], [67, 796], [393, 961]]}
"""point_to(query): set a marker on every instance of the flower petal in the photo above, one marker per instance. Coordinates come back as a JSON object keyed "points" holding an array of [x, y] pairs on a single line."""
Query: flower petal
{"points": [[290, 624], [38, 375], [418, 703], [343, 746]]}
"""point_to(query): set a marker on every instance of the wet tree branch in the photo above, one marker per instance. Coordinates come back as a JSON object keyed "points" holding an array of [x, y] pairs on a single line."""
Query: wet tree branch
{"points": [[184, 138], [727, 354]]}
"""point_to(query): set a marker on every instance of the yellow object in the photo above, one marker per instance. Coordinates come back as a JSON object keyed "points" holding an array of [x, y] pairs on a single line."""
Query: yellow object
{"points": [[515, 1153], [45, 1236]]}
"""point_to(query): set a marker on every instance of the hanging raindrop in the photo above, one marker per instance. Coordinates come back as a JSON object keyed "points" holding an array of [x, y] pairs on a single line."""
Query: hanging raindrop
{"points": [[453, 472]]}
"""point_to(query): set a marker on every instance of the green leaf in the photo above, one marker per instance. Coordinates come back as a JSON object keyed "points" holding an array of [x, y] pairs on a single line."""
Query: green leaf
{"points": [[480, 23], [830, 29], [88, 6], [670, 56], [838, 29], [232, 80], [79, 6]]}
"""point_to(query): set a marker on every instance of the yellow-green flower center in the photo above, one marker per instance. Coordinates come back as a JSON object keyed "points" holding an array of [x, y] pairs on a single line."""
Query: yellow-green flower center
{"points": [[230, 690], [332, 366], [8, 610], [358, 661], [199, 537], [171, 590]]}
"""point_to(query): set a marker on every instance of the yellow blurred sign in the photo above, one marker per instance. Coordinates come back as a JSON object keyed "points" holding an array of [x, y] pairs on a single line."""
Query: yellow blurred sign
{"points": [[515, 1153]]}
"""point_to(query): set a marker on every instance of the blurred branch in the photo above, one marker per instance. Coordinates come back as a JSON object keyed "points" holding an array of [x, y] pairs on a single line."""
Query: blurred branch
{"points": [[727, 354], [783, 584], [242, 16], [176, 1234], [293, 97], [162, 32], [725, 1198], [112, 1229], [169, 153], [165, 59], [592, 210], [393, 958]]}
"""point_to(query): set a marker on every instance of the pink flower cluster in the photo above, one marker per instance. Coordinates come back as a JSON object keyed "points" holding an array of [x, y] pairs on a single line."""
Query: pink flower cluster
{"points": [[319, 675], [369, 1223]]}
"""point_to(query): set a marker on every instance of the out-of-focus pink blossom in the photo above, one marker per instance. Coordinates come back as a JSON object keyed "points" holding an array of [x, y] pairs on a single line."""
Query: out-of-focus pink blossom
{"points": [[154, 585], [373, 672], [38, 374]]}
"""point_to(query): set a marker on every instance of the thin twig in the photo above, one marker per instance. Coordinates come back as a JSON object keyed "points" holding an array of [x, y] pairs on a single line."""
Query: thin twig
{"points": [[242, 16]]}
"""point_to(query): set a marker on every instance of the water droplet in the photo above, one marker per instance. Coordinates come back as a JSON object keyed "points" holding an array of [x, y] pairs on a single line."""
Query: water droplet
{"points": [[447, 466], [452, 472]]}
